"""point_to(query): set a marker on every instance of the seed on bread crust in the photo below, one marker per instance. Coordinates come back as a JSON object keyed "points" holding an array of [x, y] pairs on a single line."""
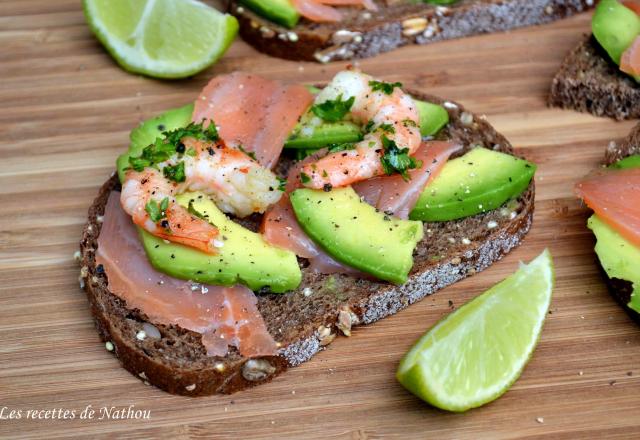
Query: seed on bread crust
{"points": [[346, 319], [346, 36], [414, 26], [255, 370]]}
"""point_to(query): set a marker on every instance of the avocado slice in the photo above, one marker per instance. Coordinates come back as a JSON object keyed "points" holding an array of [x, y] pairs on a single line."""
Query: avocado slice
{"points": [[627, 162], [244, 257], [278, 11], [147, 132], [355, 233], [432, 117], [615, 27], [619, 258], [313, 133], [479, 181]]}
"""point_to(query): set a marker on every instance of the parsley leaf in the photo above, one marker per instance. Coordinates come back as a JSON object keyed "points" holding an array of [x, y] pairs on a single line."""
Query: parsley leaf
{"points": [[171, 143], [194, 212], [397, 160], [157, 211], [196, 131], [304, 178], [251, 154], [333, 110], [175, 172], [282, 184], [369, 126], [384, 87]]}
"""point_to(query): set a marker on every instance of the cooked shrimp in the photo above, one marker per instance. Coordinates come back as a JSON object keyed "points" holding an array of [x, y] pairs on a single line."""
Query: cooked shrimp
{"points": [[237, 184], [391, 115]]}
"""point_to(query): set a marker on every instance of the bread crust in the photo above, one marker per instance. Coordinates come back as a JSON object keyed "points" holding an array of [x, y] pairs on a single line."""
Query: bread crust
{"points": [[589, 82], [305, 323], [621, 289], [395, 26]]}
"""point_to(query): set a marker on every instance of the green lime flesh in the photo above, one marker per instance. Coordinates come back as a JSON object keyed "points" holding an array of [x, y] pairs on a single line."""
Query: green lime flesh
{"points": [[161, 38], [475, 354]]}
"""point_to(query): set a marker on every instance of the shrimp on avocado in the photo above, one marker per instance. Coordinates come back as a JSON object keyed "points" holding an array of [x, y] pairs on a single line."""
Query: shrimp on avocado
{"points": [[235, 181], [392, 128]]}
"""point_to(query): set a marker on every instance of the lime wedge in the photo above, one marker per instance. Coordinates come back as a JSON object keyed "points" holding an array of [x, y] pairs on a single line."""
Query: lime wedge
{"points": [[161, 38], [473, 355]]}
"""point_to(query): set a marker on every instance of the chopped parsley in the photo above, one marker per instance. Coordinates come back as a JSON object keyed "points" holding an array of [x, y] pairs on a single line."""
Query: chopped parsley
{"points": [[196, 131], [194, 212], [304, 178], [175, 172], [369, 126], [333, 110], [384, 87], [171, 143], [408, 122], [384, 127], [251, 154], [282, 184], [397, 160], [157, 211]]}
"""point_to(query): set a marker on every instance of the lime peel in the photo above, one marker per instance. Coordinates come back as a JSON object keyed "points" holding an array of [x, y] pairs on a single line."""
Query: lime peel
{"points": [[474, 355]]}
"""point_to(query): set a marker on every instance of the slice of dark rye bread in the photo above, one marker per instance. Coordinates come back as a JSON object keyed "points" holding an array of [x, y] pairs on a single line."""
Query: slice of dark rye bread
{"points": [[621, 289], [309, 318], [363, 34], [588, 81]]}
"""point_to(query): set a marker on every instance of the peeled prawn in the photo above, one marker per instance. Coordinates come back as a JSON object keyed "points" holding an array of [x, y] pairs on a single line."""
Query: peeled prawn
{"points": [[392, 116], [237, 184]]}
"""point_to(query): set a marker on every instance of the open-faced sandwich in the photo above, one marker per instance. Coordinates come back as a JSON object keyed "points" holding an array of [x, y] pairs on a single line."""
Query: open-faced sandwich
{"points": [[222, 252], [613, 193], [329, 30], [601, 75]]}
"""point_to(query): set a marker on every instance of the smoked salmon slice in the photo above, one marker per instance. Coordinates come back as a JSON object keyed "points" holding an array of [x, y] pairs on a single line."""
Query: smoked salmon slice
{"points": [[316, 11], [225, 316], [630, 61], [393, 194], [614, 195], [252, 112]]}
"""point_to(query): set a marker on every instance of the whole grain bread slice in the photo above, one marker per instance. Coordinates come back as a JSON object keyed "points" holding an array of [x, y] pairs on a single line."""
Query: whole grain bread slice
{"points": [[363, 34], [588, 81], [621, 289], [307, 319]]}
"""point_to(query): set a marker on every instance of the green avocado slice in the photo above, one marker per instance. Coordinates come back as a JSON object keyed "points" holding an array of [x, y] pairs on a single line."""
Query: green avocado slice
{"points": [[619, 258], [355, 233], [278, 11], [615, 27], [244, 257], [627, 162], [479, 181]]}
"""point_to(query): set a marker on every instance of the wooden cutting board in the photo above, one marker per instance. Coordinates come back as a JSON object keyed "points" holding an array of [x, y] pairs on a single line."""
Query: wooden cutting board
{"points": [[65, 113]]}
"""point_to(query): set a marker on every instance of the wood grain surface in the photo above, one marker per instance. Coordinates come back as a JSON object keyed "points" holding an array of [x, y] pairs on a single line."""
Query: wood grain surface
{"points": [[65, 113]]}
